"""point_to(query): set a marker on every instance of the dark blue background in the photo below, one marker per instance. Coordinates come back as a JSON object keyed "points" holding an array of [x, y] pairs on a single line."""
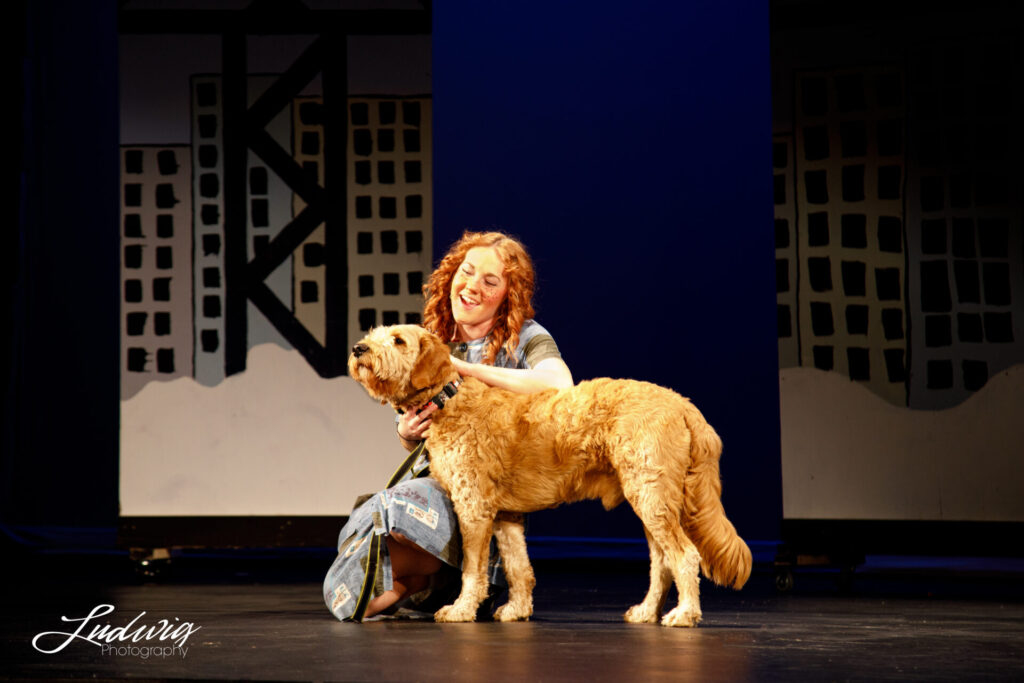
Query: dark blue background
{"points": [[628, 145]]}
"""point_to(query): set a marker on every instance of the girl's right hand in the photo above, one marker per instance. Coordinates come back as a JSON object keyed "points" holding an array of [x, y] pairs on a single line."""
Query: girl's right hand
{"points": [[414, 426]]}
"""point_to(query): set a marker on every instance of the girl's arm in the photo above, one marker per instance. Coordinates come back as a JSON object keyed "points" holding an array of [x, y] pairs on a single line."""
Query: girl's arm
{"points": [[550, 373]]}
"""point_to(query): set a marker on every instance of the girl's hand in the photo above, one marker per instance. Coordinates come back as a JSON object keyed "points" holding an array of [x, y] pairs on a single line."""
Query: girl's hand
{"points": [[413, 426]]}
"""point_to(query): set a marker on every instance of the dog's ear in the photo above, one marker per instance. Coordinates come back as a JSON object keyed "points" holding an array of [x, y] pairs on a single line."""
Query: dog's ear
{"points": [[433, 354]]}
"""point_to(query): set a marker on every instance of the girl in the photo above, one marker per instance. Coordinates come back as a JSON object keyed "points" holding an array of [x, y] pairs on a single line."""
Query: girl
{"points": [[480, 299]]}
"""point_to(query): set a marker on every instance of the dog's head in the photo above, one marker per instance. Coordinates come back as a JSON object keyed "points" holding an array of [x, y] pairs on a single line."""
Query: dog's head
{"points": [[403, 365]]}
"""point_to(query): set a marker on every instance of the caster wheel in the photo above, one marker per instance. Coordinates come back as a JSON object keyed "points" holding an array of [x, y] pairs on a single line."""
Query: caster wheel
{"points": [[784, 581], [150, 565]]}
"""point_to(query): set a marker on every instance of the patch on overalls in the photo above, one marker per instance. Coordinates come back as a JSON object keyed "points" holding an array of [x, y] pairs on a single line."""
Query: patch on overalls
{"points": [[354, 546], [428, 517], [341, 596]]}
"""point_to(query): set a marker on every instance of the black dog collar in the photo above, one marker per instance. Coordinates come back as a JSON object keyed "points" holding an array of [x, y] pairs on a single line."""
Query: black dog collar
{"points": [[439, 399], [447, 391]]}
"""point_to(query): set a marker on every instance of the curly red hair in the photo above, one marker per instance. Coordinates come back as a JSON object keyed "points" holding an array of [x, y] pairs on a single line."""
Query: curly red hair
{"points": [[514, 310]]}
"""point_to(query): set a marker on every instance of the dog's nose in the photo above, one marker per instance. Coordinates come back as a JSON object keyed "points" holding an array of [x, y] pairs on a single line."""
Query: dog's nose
{"points": [[359, 349]]}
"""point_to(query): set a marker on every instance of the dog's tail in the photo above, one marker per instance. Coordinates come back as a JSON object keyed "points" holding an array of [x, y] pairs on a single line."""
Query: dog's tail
{"points": [[725, 558]]}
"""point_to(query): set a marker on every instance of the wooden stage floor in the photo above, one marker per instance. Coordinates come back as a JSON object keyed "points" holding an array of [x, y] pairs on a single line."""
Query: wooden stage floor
{"points": [[263, 619]]}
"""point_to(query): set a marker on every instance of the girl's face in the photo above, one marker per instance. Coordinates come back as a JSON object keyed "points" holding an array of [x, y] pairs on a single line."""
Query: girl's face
{"points": [[478, 289]]}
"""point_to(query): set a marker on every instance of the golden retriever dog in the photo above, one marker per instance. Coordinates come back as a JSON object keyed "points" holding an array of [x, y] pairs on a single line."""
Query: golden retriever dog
{"points": [[499, 454]]}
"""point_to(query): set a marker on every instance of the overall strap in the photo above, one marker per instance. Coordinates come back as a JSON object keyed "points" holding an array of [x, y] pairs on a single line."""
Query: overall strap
{"points": [[369, 578], [373, 559], [404, 468]]}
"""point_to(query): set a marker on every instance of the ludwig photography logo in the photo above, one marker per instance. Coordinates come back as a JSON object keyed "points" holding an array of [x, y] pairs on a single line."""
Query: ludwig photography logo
{"points": [[163, 638]]}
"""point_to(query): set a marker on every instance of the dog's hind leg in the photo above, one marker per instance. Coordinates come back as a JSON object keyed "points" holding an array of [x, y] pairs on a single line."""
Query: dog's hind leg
{"points": [[649, 611], [656, 507], [508, 529], [475, 525]]}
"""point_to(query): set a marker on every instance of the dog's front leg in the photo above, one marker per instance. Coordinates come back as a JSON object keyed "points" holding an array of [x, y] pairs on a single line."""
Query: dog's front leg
{"points": [[508, 529], [476, 527]]}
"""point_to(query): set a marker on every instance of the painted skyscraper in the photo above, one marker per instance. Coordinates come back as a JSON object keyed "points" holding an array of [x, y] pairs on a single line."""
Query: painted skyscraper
{"points": [[841, 277], [389, 210], [963, 221], [267, 211], [156, 265]]}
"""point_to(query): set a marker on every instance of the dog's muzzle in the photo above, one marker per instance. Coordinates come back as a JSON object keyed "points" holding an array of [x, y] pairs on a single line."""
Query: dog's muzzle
{"points": [[359, 349]]}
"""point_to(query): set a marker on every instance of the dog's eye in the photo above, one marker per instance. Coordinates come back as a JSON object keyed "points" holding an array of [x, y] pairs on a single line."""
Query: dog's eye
{"points": [[399, 341]]}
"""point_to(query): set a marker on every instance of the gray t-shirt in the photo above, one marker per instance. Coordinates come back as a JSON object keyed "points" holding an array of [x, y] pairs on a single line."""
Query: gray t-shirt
{"points": [[535, 344]]}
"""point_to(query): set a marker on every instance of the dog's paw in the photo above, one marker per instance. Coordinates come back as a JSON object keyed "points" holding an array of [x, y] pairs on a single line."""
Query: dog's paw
{"points": [[642, 614], [508, 613], [454, 614], [682, 616]]}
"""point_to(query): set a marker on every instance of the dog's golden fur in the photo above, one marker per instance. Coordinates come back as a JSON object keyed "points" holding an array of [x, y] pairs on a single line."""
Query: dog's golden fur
{"points": [[499, 454]]}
